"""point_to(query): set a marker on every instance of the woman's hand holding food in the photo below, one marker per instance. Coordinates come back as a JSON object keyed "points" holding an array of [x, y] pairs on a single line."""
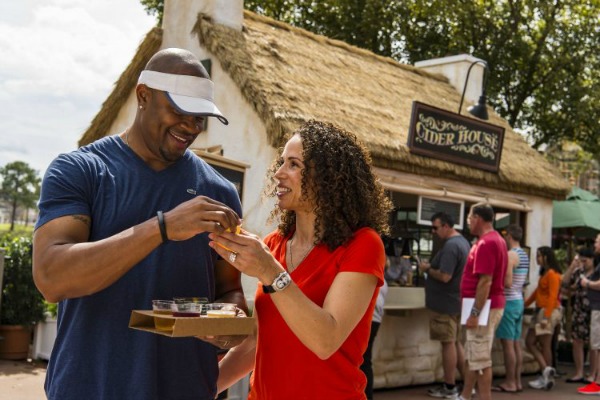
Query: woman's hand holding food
{"points": [[247, 253]]}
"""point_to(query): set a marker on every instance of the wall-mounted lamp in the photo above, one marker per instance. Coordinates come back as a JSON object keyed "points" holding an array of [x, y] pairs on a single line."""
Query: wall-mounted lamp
{"points": [[479, 110]]}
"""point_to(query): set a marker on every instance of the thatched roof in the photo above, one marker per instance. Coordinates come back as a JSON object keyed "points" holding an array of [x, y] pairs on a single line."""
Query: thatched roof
{"points": [[289, 75]]}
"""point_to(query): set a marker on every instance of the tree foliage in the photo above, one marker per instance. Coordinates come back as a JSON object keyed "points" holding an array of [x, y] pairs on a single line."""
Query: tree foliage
{"points": [[154, 7], [370, 24], [19, 186], [543, 55]]}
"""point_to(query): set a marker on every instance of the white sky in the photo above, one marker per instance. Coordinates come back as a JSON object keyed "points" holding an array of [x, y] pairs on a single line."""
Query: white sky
{"points": [[59, 60]]}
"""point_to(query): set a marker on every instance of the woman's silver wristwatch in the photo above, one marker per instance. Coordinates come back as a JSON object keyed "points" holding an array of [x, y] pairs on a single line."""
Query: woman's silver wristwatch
{"points": [[282, 281]]}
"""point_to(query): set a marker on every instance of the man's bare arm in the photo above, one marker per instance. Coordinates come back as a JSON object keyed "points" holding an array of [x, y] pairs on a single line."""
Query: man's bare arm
{"points": [[66, 265]]}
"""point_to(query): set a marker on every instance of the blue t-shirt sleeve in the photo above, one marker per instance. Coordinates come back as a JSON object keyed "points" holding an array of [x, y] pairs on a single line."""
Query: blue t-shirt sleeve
{"points": [[66, 189]]}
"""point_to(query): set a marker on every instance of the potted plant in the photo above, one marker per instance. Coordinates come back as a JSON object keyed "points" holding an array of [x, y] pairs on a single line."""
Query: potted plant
{"points": [[22, 304], [45, 333]]}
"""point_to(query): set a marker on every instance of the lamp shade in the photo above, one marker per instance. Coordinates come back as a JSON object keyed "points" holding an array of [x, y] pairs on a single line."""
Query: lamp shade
{"points": [[480, 110]]}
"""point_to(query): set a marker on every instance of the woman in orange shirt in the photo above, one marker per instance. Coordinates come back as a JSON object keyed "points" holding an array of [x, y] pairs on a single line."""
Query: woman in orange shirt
{"points": [[547, 316]]}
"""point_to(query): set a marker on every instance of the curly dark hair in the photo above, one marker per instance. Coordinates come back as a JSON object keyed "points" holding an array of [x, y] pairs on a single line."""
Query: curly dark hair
{"points": [[339, 176]]}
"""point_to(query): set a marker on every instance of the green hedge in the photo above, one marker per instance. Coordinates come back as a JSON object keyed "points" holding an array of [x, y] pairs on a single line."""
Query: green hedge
{"points": [[22, 303]]}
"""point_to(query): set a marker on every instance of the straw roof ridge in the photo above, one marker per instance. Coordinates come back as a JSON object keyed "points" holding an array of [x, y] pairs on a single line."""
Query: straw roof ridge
{"points": [[123, 87], [338, 43]]}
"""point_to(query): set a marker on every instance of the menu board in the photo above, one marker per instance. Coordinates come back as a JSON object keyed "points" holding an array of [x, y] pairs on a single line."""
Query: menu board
{"points": [[431, 205]]}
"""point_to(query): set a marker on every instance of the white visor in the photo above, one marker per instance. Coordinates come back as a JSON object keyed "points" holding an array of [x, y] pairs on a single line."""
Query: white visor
{"points": [[188, 94]]}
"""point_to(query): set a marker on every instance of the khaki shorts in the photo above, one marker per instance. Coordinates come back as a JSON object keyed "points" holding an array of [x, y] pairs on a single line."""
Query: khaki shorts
{"points": [[444, 327], [595, 330], [547, 329], [478, 344]]}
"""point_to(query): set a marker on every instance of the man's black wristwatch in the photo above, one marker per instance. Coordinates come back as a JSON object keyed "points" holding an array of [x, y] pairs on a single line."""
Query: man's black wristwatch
{"points": [[282, 281]]}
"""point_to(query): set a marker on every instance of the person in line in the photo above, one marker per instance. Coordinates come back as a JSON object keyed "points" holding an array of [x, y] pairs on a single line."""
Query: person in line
{"points": [[482, 280], [367, 365], [509, 330], [582, 266], [547, 316], [318, 273], [124, 221], [592, 284], [442, 297]]}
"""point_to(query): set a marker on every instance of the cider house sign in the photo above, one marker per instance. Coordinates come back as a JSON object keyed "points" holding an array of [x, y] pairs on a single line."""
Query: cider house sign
{"points": [[452, 137]]}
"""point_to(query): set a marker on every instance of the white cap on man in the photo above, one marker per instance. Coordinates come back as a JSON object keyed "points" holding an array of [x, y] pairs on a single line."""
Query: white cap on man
{"points": [[191, 95]]}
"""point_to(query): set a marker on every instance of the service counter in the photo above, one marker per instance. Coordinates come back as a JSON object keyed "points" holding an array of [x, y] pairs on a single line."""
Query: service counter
{"points": [[403, 355]]}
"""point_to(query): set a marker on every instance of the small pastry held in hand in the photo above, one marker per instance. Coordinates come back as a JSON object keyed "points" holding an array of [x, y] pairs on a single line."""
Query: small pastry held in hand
{"points": [[238, 229]]}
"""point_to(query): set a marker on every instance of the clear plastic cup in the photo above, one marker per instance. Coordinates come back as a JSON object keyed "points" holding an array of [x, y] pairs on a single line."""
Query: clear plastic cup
{"points": [[163, 307], [220, 310]]}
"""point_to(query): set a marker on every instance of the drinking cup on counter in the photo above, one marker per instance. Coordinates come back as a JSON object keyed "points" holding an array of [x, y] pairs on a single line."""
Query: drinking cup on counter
{"points": [[163, 307], [220, 310]]}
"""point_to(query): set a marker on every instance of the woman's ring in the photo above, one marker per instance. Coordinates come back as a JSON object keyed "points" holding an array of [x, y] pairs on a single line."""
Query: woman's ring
{"points": [[232, 256]]}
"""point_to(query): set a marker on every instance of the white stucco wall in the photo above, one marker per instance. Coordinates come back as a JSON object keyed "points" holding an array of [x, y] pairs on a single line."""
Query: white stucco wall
{"points": [[455, 68], [180, 16], [538, 233]]}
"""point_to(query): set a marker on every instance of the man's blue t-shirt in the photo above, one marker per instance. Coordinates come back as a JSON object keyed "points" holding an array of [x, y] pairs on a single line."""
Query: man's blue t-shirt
{"points": [[96, 355]]}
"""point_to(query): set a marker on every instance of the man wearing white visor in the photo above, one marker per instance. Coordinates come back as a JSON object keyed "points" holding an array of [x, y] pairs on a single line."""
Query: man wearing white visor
{"points": [[124, 221], [188, 94]]}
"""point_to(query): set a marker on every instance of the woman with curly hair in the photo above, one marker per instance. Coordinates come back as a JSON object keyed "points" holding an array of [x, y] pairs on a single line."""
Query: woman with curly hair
{"points": [[547, 316], [319, 272]]}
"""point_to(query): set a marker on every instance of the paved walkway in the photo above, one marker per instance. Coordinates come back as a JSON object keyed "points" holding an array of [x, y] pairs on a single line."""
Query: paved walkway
{"points": [[561, 391], [22, 380]]}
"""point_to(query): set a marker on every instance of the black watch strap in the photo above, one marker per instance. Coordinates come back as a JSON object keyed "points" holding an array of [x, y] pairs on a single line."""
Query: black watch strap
{"points": [[268, 289]]}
